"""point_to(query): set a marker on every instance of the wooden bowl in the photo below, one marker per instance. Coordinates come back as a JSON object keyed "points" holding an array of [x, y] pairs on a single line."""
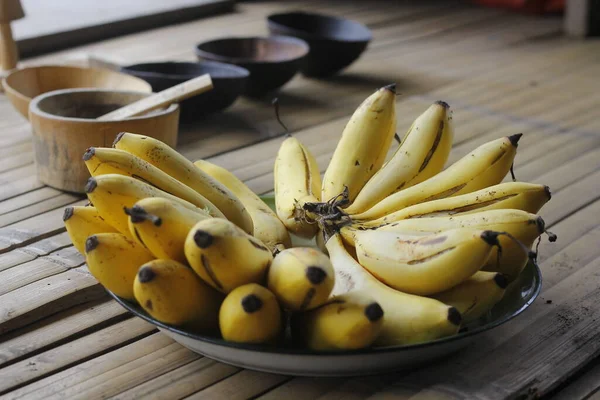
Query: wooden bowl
{"points": [[272, 61], [64, 126], [229, 81], [334, 42], [22, 85]]}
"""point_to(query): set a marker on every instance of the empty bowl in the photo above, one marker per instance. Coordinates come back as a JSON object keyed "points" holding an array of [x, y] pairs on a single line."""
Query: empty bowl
{"points": [[272, 61], [334, 42], [22, 85], [229, 81], [64, 126]]}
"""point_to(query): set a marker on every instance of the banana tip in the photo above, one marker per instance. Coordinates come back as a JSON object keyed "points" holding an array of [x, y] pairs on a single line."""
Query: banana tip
{"points": [[91, 243], [541, 225], [391, 88], [490, 237], [374, 312], [514, 139], [68, 213], [315, 275], [443, 104], [119, 137], [251, 303], [454, 316], [90, 185], [548, 192], [501, 280], [89, 153], [146, 274], [203, 239]]}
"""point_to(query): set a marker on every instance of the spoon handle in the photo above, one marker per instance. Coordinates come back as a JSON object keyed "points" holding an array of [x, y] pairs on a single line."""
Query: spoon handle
{"points": [[173, 94]]}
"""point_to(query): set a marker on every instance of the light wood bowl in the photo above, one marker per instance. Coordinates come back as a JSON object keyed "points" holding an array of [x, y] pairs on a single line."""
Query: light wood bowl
{"points": [[64, 126], [24, 84]]}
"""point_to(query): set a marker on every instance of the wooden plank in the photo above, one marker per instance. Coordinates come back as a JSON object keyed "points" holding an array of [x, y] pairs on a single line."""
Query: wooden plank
{"points": [[585, 386], [107, 339], [49, 204], [181, 381], [47, 296], [27, 199], [40, 268], [127, 375], [34, 250], [243, 385], [44, 388], [58, 329]]}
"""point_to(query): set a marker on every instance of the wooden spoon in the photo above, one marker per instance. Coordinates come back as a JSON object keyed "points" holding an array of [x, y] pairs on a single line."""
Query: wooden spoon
{"points": [[173, 94]]}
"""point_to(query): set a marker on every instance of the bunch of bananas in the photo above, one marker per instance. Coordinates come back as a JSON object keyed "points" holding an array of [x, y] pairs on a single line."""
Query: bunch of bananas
{"points": [[409, 251], [194, 247], [435, 248]]}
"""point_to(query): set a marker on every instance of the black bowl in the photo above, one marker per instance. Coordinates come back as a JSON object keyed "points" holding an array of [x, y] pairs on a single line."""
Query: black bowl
{"points": [[272, 61], [229, 81], [334, 42]]}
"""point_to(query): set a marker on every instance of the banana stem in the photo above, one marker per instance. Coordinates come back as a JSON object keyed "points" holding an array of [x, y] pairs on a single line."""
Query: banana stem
{"points": [[138, 214]]}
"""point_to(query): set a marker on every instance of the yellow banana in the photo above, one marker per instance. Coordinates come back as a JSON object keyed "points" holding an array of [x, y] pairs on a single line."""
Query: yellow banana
{"points": [[424, 265], [524, 228], [509, 195], [102, 161], [363, 146], [475, 296], [225, 256], [301, 278], [421, 155], [349, 321], [162, 225], [250, 314], [268, 228], [297, 181], [113, 259], [82, 222], [485, 166], [173, 294], [112, 193], [177, 166], [407, 318]]}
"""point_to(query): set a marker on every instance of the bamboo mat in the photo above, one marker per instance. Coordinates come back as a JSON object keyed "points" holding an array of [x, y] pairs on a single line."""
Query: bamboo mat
{"points": [[60, 336]]}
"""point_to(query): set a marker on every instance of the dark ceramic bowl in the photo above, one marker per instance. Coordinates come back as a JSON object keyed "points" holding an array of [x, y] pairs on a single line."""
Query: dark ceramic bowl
{"points": [[272, 61], [229, 81], [334, 42]]}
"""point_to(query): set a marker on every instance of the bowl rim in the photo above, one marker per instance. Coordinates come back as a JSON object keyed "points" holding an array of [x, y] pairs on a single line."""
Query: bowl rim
{"points": [[278, 38], [35, 109], [13, 91], [262, 348], [130, 70], [367, 33]]}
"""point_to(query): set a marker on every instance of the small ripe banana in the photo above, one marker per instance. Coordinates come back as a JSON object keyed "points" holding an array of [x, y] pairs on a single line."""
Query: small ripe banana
{"points": [[485, 166], [82, 222], [113, 259], [508, 195], [408, 318], [475, 296], [102, 161], [268, 228], [225, 256], [112, 193], [250, 314], [297, 181], [363, 146], [173, 294], [347, 322], [524, 228], [424, 265], [301, 278], [421, 155], [177, 166], [162, 225]]}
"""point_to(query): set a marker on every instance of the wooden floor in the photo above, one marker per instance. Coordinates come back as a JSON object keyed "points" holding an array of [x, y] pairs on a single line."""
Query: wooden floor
{"points": [[60, 336]]}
